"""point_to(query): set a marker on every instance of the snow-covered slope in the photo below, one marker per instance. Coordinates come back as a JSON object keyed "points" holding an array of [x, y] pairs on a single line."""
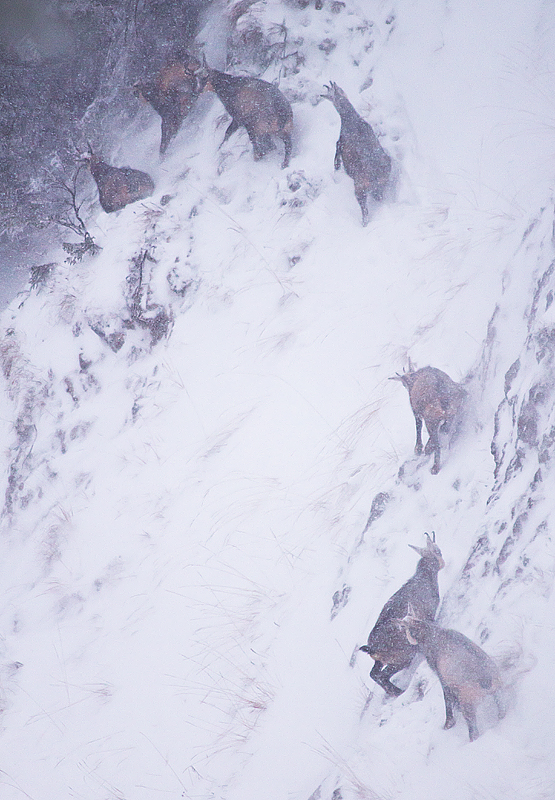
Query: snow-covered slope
{"points": [[197, 420]]}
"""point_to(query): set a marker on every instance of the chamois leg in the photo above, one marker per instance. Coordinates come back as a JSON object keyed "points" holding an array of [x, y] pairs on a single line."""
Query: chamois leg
{"points": [[258, 150], [170, 126], [261, 143], [449, 704], [361, 194], [286, 138], [432, 445], [232, 127], [469, 713], [418, 445], [382, 674], [501, 708]]}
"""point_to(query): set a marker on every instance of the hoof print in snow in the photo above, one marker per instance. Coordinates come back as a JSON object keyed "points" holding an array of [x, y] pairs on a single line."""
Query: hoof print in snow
{"points": [[302, 190], [340, 600], [182, 279], [337, 6], [110, 332], [327, 46]]}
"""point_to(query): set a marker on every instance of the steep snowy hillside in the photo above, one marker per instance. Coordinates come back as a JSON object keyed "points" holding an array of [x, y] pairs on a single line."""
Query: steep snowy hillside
{"points": [[198, 422]]}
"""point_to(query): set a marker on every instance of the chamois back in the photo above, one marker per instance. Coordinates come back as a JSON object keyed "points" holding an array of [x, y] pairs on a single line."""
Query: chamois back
{"points": [[118, 186], [254, 104]]}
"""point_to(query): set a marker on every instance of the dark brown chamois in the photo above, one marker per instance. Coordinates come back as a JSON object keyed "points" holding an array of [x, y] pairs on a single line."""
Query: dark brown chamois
{"points": [[467, 674], [254, 104], [118, 186], [437, 400], [363, 157], [387, 643], [171, 93]]}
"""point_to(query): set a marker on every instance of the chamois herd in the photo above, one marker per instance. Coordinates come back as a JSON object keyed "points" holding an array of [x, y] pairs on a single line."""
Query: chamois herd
{"points": [[406, 625], [253, 104]]}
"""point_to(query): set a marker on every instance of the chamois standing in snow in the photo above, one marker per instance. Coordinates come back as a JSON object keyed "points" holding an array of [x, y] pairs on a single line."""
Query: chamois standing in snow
{"points": [[387, 643], [171, 93], [437, 400], [118, 186], [467, 674], [363, 157], [252, 103]]}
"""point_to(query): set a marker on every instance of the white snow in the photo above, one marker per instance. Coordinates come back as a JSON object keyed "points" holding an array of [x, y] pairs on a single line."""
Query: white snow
{"points": [[179, 513]]}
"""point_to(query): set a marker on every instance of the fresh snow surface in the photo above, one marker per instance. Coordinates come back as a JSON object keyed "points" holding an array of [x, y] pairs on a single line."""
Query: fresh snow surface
{"points": [[197, 419]]}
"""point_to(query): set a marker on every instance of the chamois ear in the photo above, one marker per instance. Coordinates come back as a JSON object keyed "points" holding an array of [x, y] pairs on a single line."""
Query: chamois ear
{"points": [[420, 550]]}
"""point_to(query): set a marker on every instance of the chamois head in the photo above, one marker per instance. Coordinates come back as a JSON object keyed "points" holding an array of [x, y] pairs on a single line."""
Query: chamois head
{"points": [[334, 93], [201, 74], [431, 551], [407, 376]]}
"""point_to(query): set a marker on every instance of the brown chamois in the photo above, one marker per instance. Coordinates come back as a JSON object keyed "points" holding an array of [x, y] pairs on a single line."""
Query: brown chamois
{"points": [[254, 104], [467, 674], [437, 400], [387, 643], [363, 157], [171, 93], [118, 186]]}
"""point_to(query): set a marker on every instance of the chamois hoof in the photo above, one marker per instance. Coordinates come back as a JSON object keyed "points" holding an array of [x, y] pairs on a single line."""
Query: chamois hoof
{"points": [[393, 691], [435, 469], [449, 723]]}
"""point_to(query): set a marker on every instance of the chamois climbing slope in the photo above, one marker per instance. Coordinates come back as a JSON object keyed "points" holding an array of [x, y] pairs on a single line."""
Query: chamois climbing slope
{"points": [[209, 481]]}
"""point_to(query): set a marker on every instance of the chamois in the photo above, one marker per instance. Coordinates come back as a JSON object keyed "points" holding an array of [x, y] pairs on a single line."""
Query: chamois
{"points": [[387, 643], [171, 93], [363, 157], [118, 186], [467, 674], [437, 400], [252, 103]]}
